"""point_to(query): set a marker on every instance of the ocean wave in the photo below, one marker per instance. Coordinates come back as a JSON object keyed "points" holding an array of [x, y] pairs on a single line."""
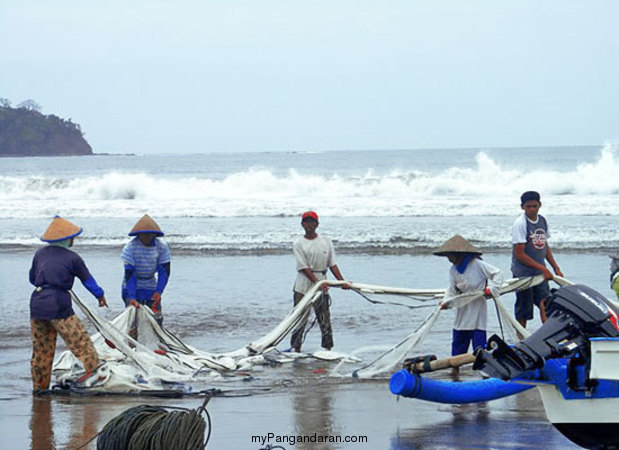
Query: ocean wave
{"points": [[486, 188], [403, 235], [343, 248]]}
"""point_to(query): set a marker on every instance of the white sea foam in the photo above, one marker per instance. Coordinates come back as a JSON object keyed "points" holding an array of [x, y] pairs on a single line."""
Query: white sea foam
{"points": [[487, 188], [370, 204]]}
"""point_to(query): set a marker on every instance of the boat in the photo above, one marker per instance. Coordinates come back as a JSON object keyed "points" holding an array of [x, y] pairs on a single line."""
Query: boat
{"points": [[572, 359]]}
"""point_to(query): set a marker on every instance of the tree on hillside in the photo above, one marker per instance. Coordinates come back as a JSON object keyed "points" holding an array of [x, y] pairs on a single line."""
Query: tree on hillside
{"points": [[30, 105], [24, 131]]}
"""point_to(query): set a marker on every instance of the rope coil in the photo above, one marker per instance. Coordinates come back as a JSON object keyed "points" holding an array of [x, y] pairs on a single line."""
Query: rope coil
{"points": [[157, 428]]}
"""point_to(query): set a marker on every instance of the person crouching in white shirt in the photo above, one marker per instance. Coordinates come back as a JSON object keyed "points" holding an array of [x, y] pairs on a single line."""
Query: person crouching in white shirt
{"points": [[469, 273]]}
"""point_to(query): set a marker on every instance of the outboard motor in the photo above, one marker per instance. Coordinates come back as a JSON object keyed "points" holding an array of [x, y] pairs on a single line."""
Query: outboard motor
{"points": [[575, 313]]}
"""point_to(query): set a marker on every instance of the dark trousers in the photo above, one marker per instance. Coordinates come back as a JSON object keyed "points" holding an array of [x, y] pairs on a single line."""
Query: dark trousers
{"points": [[323, 316], [462, 338]]}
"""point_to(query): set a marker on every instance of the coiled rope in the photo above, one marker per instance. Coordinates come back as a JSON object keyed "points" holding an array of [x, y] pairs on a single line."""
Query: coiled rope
{"points": [[156, 428]]}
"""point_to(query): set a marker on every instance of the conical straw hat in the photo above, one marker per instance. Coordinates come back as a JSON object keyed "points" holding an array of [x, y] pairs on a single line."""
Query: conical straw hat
{"points": [[146, 225], [60, 229], [457, 244]]}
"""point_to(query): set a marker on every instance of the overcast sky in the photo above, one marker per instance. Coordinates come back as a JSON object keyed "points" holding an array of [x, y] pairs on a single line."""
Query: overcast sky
{"points": [[202, 76]]}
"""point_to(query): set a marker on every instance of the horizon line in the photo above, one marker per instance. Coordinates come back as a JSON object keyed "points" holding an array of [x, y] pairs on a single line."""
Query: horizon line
{"points": [[481, 148]]}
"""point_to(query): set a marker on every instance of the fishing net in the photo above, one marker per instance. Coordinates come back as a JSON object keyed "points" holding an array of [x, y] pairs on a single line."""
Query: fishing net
{"points": [[392, 358], [139, 355]]}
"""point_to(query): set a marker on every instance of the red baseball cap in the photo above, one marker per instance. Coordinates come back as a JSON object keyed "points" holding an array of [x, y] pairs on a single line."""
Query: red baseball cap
{"points": [[309, 215]]}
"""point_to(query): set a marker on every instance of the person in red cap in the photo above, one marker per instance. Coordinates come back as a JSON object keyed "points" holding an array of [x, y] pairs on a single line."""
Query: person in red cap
{"points": [[314, 255], [54, 268]]}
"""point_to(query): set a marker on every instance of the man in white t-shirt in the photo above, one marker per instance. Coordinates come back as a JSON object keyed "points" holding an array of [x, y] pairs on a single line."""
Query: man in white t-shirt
{"points": [[530, 251], [314, 255]]}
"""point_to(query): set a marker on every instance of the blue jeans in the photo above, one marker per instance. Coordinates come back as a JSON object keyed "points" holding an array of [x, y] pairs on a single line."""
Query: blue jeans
{"points": [[462, 338]]}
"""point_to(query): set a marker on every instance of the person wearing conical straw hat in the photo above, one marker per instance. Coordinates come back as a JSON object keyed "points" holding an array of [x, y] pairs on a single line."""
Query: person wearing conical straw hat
{"points": [[54, 268], [469, 273], [147, 266]]}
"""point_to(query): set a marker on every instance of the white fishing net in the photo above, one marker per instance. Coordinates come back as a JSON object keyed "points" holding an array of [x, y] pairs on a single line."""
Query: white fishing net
{"points": [[158, 360]]}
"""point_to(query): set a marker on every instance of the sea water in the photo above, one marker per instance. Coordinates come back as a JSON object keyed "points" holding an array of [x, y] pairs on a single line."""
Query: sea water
{"points": [[382, 201], [230, 220]]}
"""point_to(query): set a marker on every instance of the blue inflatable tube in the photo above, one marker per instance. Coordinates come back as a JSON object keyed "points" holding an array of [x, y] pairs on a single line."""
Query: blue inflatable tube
{"points": [[412, 385]]}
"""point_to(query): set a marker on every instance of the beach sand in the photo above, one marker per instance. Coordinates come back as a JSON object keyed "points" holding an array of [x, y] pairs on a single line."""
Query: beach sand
{"points": [[309, 405], [222, 303]]}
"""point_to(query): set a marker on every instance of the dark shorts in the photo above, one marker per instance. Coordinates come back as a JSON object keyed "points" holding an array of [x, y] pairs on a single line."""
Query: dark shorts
{"points": [[462, 338], [525, 299]]}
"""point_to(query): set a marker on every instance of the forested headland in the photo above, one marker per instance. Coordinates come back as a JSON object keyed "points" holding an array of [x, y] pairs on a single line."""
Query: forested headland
{"points": [[25, 131]]}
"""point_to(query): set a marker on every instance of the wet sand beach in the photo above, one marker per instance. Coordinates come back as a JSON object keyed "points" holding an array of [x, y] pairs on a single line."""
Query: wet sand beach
{"points": [[222, 303], [363, 411]]}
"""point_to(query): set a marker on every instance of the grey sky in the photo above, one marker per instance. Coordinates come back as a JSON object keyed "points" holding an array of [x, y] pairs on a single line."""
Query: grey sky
{"points": [[201, 76]]}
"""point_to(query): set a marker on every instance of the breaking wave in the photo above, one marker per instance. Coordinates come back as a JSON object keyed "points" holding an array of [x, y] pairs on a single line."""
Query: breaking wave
{"points": [[487, 188]]}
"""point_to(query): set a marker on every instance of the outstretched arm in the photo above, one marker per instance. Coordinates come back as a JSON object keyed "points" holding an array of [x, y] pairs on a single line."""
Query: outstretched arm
{"points": [[525, 259], [163, 275], [91, 284], [494, 281], [335, 270], [131, 281], [81, 272], [551, 259]]}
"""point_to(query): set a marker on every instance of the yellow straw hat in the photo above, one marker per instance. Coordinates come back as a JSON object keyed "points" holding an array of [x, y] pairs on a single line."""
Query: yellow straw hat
{"points": [[146, 225], [60, 229], [457, 244]]}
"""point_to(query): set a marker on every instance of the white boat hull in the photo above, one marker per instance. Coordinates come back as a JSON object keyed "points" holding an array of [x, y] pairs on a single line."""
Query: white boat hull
{"points": [[589, 422], [589, 410]]}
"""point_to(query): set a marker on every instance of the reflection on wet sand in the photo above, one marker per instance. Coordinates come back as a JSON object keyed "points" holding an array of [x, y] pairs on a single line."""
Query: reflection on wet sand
{"points": [[81, 426], [513, 422], [312, 410], [312, 403], [41, 427]]}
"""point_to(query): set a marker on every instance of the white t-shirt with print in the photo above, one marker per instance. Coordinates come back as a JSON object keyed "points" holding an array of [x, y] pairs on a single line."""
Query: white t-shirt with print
{"points": [[315, 254]]}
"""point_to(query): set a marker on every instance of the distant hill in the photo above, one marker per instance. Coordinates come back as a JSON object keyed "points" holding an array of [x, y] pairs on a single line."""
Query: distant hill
{"points": [[24, 131]]}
